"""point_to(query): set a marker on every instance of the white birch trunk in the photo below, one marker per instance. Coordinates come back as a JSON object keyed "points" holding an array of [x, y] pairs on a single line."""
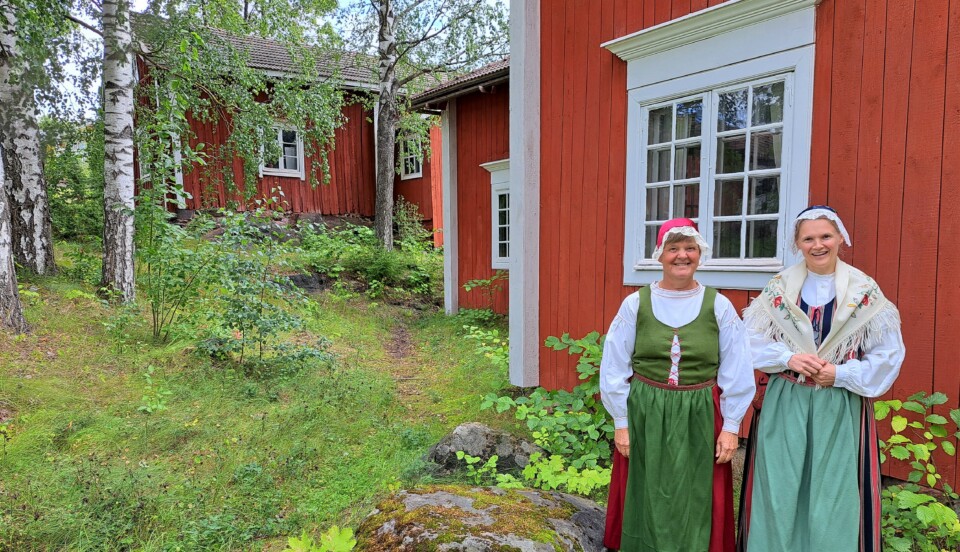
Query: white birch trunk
{"points": [[118, 83], [11, 311], [386, 124], [25, 182]]}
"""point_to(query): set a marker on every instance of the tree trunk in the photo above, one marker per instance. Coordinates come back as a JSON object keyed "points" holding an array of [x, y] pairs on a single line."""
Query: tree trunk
{"points": [[11, 312], [386, 124], [25, 183], [118, 271]]}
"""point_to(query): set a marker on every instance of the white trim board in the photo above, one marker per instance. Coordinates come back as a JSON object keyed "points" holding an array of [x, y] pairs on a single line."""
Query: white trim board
{"points": [[451, 249]]}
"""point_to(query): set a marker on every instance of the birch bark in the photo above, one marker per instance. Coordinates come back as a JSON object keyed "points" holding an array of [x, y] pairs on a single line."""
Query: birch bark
{"points": [[25, 183], [118, 84], [11, 311], [386, 123]]}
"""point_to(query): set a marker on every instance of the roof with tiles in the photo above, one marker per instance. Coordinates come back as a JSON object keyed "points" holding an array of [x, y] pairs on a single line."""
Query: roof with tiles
{"points": [[271, 55], [496, 71]]}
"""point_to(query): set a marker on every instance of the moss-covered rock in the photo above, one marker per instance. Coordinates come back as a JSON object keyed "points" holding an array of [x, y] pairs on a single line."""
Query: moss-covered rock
{"points": [[447, 518]]}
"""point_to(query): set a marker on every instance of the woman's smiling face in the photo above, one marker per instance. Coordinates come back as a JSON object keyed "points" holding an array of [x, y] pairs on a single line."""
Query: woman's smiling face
{"points": [[819, 241], [680, 259]]}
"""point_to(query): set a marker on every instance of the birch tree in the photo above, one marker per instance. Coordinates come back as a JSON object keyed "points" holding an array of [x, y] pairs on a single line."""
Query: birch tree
{"points": [[418, 44], [11, 311], [26, 187], [118, 206]]}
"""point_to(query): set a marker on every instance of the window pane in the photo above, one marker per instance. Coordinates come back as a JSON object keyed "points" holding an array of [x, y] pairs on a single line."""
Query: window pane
{"points": [[764, 195], [289, 137], [731, 154], [504, 250], [502, 218], [271, 164], [502, 201], [686, 201], [733, 110], [658, 204], [689, 119], [291, 163], [761, 238], [660, 122], [728, 199], [503, 234], [650, 241], [765, 150], [768, 103], [688, 162], [726, 239], [658, 165]]}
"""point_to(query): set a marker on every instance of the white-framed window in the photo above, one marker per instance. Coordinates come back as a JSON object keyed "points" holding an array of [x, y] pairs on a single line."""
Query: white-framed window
{"points": [[411, 165], [720, 133], [499, 213], [290, 160], [721, 150]]}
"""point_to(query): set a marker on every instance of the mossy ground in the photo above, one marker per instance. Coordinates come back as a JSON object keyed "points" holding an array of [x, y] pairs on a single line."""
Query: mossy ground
{"points": [[225, 460]]}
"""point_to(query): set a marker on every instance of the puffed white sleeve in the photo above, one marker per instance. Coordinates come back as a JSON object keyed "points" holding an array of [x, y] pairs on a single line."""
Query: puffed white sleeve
{"points": [[768, 355], [735, 376], [874, 374], [615, 365]]}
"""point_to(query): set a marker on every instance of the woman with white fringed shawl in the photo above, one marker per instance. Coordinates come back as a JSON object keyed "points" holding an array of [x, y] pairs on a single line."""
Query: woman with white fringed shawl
{"points": [[828, 342]]}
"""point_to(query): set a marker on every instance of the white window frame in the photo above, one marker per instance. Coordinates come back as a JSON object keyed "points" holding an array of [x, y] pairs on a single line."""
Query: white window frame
{"points": [[499, 185], [300, 171], [412, 155], [730, 45]]}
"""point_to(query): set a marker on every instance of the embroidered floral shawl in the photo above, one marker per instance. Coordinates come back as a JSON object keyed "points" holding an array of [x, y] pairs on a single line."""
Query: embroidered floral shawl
{"points": [[861, 315]]}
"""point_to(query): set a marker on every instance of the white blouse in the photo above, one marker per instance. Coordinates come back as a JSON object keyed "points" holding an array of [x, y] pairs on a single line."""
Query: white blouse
{"points": [[678, 308], [871, 376]]}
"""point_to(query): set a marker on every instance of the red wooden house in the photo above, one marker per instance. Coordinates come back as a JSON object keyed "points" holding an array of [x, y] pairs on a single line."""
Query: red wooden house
{"points": [[352, 161], [738, 113], [475, 119]]}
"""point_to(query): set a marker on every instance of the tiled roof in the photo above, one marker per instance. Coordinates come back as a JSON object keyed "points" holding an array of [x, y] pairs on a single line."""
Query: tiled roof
{"points": [[270, 55], [493, 71]]}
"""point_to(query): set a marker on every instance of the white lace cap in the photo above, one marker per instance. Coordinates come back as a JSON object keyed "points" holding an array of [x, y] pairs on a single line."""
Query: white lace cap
{"points": [[689, 232], [813, 214]]}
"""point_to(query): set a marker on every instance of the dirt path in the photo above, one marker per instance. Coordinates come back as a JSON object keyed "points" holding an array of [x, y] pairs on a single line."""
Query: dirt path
{"points": [[406, 368]]}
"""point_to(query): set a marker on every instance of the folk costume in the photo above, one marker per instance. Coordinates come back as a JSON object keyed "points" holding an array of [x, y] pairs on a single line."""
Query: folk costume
{"points": [[812, 474], [675, 372]]}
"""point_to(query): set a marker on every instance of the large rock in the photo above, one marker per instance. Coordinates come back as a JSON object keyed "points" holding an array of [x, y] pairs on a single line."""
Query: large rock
{"points": [[456, 518], [482, 441]]}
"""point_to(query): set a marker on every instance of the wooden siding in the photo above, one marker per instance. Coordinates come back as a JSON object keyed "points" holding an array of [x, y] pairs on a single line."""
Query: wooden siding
{"points": [[349, 191], [426, 191], [886, 125], [483, 124]]}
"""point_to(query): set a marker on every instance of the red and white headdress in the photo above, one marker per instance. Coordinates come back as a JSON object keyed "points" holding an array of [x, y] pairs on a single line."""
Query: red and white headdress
{"points": [[684, 227]]}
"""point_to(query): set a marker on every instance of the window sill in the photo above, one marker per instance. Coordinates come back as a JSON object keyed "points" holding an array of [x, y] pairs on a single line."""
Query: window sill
{"points": [[280, 172], [411, 176], [749, 277]]}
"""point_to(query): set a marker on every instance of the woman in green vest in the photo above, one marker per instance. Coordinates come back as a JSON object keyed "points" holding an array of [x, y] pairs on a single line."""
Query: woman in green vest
{"points": [[677, 380]]}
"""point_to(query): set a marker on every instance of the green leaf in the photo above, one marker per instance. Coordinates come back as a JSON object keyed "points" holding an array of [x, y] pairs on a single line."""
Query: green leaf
{"points": [[900, 453], [899, 423], [931, 480], [948, 447], [937, 398], [880, 410], [955, 416], [915, 476], [899, 544], [938, 431], [898, 438], [913, 406], [907, 500], [936, 419]]}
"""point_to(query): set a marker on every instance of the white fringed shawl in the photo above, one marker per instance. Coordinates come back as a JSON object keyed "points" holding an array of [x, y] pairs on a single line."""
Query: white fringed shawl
{"points": [[861, 315]]}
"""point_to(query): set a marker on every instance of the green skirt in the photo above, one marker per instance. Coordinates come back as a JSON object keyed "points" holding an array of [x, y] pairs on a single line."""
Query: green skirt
{"points": [[806, 494], [669, 491]]}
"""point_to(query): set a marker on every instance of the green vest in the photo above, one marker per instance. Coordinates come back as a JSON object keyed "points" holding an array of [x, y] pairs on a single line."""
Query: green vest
{"points": [[699, 343]]}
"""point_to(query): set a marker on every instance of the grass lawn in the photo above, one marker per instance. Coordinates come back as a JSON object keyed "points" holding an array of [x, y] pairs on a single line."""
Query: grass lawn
{"points": [[112, 442]]}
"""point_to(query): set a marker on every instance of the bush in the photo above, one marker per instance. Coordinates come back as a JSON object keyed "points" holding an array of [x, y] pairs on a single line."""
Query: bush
{"points": [[73, 166]]}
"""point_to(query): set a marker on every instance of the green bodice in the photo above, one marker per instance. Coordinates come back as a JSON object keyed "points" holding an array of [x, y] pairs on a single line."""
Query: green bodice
{"points": [[699, 343]]}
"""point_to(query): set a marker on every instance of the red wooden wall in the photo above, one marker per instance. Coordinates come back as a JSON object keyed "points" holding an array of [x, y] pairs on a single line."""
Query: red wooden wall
{"points": [[483, 125], [426, 192], [886, 132], [349, 191]]}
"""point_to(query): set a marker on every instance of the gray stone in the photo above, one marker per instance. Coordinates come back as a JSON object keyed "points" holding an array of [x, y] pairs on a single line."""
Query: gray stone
{"points": [[465, 519], [476, 439]]}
